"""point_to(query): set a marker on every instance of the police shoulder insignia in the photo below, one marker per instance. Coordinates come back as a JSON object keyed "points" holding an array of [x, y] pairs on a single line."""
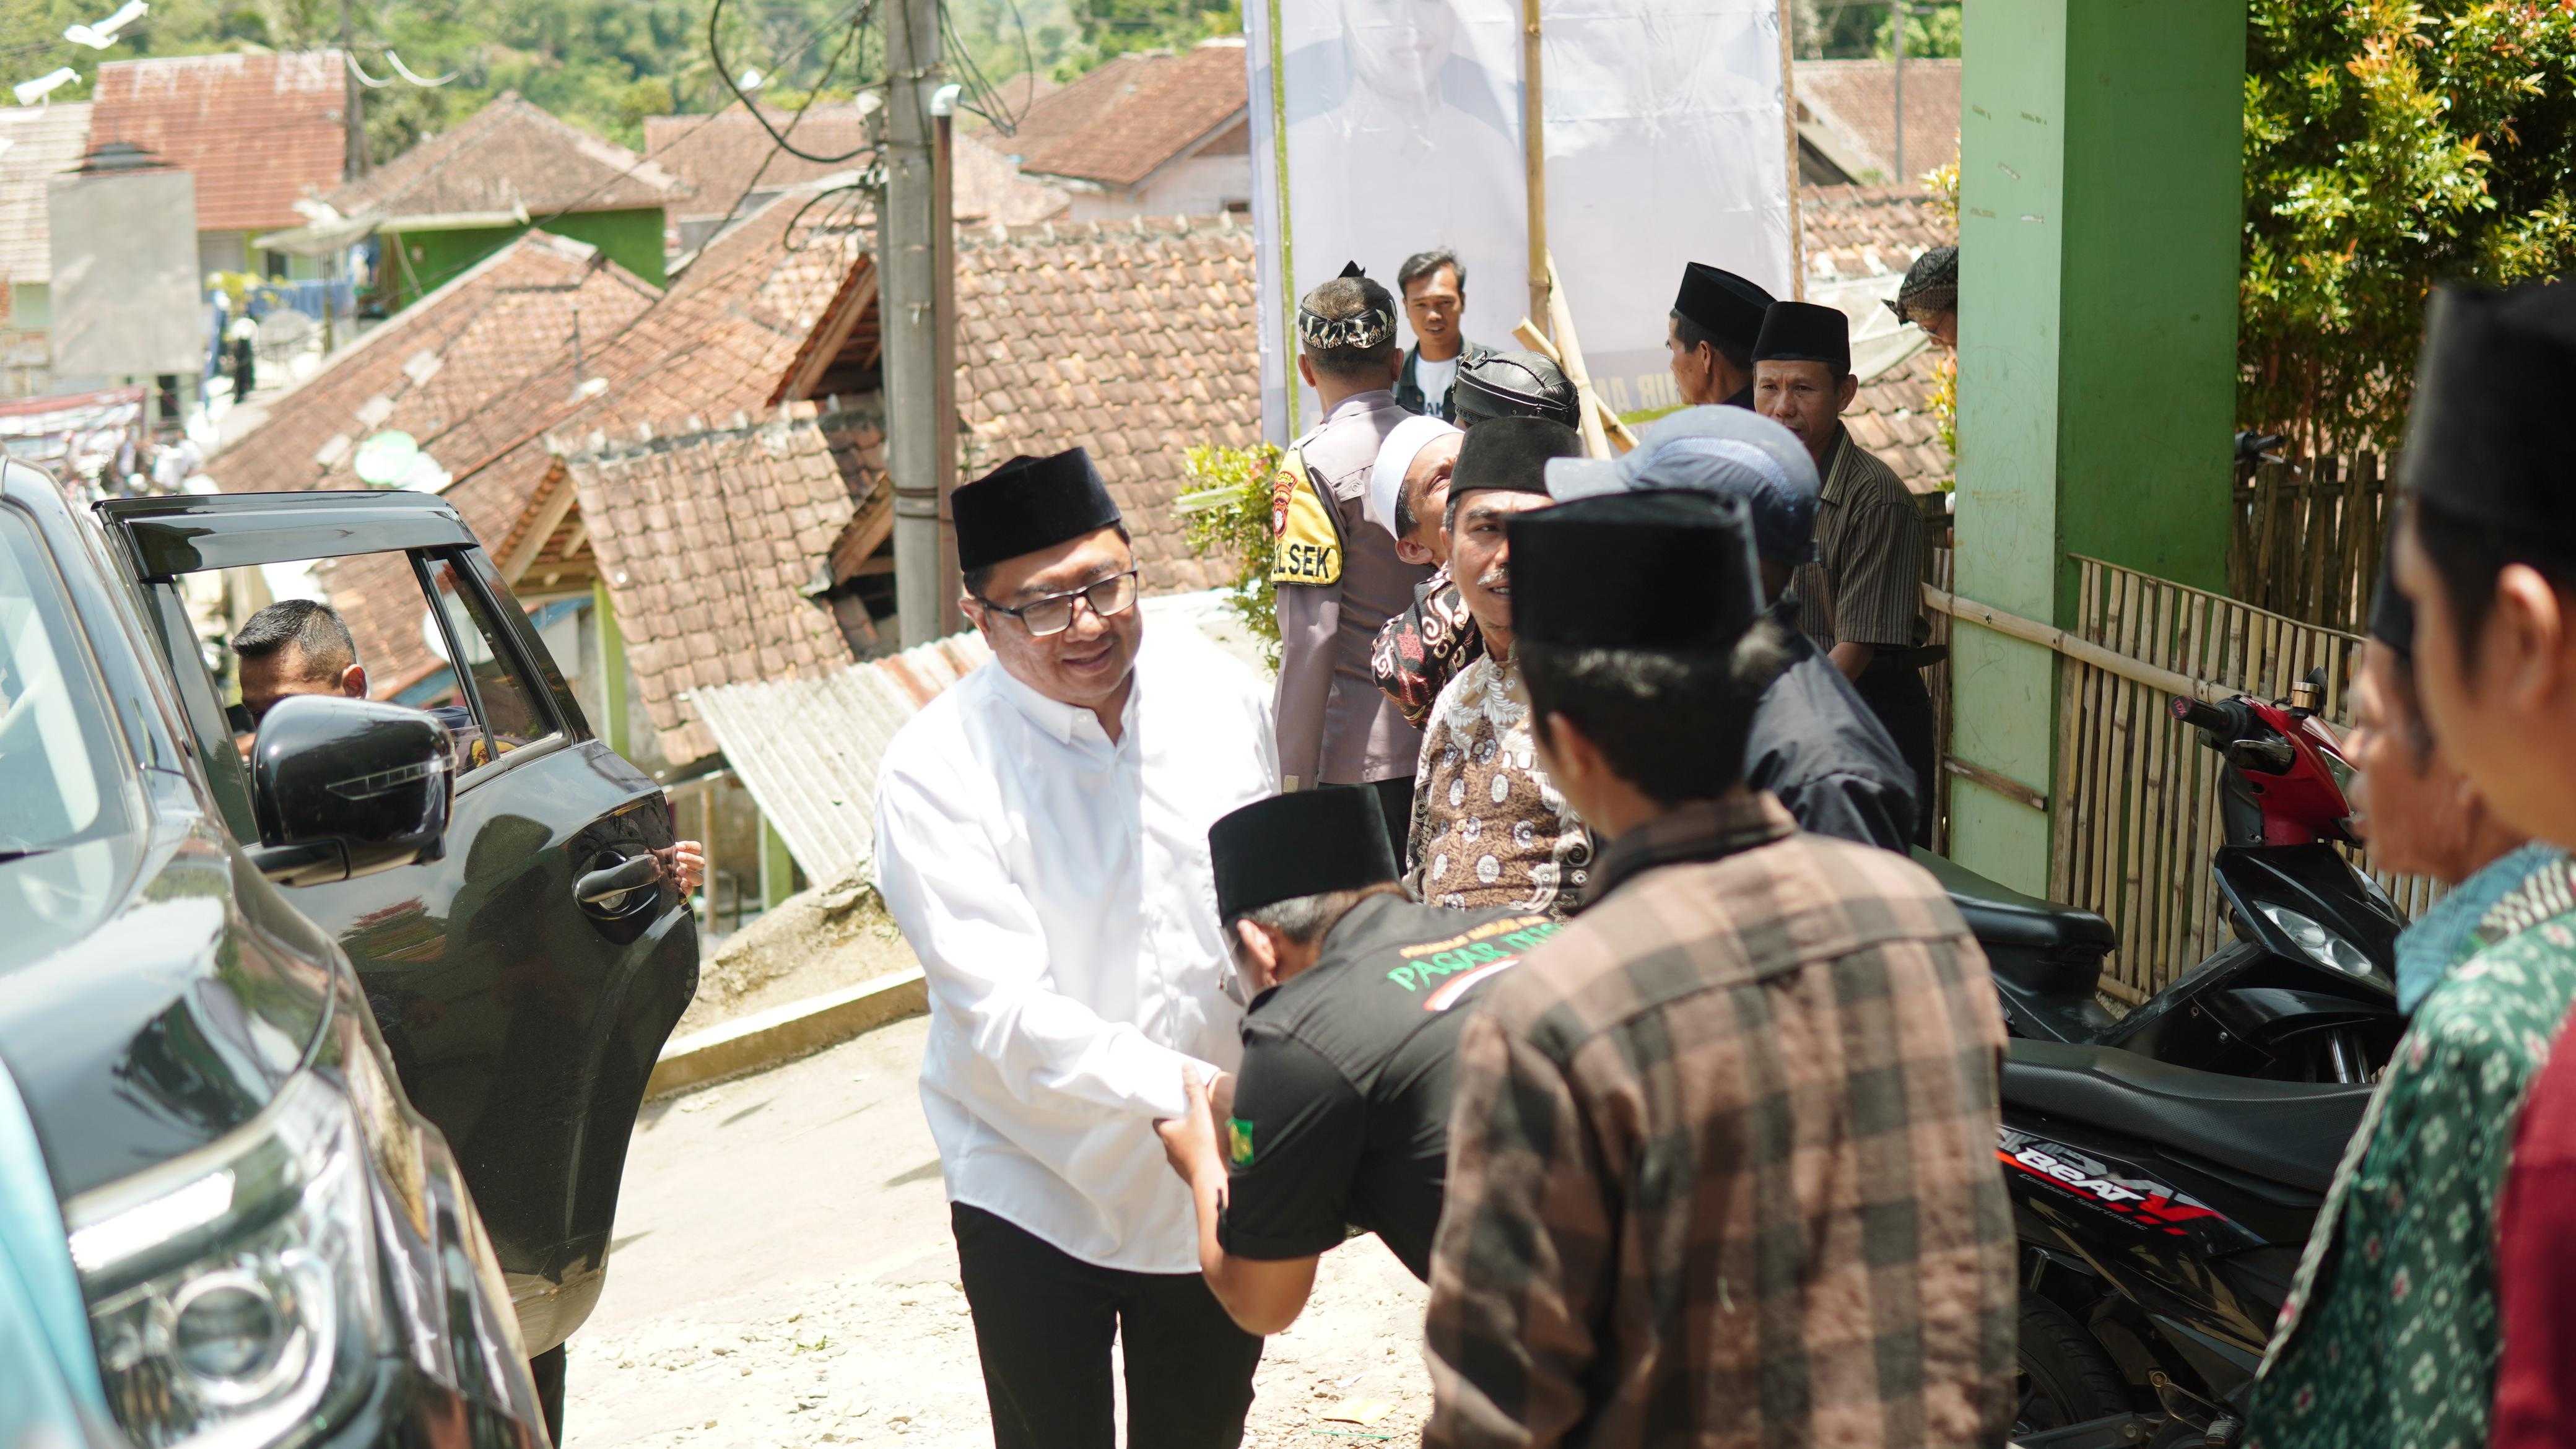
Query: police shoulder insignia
{"points": [[1310, 540], [1238, 1141]]}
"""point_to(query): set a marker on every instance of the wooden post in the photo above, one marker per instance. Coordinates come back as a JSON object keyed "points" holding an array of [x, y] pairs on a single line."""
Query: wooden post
{"points": [[1542, 289]]}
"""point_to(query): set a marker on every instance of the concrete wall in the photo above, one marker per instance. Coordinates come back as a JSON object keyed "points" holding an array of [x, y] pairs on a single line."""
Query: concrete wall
{"points": [[1216, 178], [2101, 163], [125, 281]]}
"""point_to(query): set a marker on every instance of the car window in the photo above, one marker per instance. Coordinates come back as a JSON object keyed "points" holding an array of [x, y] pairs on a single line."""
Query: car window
{"points": [[55, 780], [504, 702], [419, 634]]}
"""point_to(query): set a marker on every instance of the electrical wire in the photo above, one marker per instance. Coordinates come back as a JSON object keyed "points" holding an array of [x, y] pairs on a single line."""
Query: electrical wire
{"points": [[811, 95], [724, 72], [854, 16]]}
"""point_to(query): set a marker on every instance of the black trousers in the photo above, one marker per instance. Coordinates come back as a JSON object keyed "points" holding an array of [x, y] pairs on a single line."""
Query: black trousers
{"points": [[1895, 693], [1395, 802], [1044, 1321]]}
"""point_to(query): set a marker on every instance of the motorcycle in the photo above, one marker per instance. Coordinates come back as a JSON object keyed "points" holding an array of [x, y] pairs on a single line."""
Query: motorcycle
{"points": [[2160, 1214], [2305, 992]]}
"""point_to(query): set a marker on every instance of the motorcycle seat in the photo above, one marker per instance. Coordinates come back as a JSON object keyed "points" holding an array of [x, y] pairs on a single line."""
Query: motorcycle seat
{"points": [[2044, 946], [2292, 1133]]}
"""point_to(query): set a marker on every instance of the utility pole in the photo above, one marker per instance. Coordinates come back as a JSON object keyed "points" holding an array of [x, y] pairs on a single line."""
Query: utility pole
{"points": [[1899, 178], [353, 106], [921, 434]]}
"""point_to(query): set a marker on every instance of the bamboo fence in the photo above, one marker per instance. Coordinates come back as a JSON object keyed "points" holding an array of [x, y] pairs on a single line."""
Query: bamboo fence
{"points": [[2134, 818], [2308, 538]]}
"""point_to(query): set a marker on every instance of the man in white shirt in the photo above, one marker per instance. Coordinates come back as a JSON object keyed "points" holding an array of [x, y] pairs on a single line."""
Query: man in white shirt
{"points": [[1042, 840]]}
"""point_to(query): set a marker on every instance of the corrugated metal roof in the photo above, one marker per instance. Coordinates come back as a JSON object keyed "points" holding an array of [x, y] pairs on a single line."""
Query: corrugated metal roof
{"points": [[808, 749]]}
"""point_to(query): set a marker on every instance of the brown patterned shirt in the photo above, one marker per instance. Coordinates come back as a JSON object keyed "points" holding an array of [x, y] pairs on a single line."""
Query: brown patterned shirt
{"points": [[1722, 1161], [1488, 829]]}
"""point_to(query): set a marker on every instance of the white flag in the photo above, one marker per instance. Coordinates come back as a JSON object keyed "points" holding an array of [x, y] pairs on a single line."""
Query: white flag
{"points": [[1666, 144]]}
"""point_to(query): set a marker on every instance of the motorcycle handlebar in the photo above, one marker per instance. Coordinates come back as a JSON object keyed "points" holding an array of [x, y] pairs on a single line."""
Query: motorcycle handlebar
{"points": [[2207, 717]]}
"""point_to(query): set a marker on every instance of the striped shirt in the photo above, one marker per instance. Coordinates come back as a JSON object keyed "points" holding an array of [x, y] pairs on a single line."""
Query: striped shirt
{"points": [[1866, 584], [1722, 1161]]}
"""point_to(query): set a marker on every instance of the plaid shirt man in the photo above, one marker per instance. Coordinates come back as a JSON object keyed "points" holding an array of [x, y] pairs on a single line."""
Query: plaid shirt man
{"points": [[1722, 1161]]}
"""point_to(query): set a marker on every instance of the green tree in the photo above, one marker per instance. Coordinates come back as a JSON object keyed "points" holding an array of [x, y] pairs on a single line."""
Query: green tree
{"points": [[1931, 31], [1115, 27], [2390, 145], [1226, 515]]}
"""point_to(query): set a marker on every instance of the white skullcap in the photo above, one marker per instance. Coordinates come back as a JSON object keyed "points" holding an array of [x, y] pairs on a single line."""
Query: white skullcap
{"points": [[1394, 457]]}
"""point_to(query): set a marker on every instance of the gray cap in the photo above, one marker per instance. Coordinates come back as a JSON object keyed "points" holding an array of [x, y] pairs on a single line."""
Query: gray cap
{"points": [[1729, 452]]}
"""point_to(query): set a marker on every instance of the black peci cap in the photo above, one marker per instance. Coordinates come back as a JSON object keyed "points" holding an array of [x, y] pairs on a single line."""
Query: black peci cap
{"points": [[2480, 446], [1513, 384], [1029, 504], [1805, 332], [1511, 454], [1721, 303], [2392, 614], [1635, 571], [1304, 843]]}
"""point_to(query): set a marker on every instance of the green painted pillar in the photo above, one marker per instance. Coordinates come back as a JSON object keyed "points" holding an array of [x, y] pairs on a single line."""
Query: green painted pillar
{"points": [[612, 667], [777, 866], [2100, 203]]}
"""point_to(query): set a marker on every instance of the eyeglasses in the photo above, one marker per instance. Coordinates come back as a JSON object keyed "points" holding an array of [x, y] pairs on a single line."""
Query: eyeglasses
{"points": [[1053, 614]]}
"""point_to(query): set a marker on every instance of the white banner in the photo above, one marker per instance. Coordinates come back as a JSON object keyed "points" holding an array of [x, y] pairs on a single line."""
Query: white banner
{"points": [[1666, 143]]}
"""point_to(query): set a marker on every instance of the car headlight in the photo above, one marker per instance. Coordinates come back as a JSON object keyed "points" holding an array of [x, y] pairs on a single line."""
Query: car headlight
{"points": [[2322, 945], [233, 1294]]}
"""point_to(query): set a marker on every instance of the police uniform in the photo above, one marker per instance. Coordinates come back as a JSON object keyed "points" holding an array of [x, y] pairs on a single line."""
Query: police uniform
{"points": [[1338, 581], [1341, 1107]]}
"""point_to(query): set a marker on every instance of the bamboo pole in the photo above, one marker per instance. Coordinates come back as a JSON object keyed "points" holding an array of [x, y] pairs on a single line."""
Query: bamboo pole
{"points": [[1528, 335], [1789, 128], [1596, 442], [1542, 273]]}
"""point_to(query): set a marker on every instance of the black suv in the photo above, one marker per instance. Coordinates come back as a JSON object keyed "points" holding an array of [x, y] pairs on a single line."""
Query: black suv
{"points": [[277, 1248]]}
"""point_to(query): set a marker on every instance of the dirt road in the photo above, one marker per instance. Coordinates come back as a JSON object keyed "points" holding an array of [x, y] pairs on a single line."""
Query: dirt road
{"points": [[784, 1276]]}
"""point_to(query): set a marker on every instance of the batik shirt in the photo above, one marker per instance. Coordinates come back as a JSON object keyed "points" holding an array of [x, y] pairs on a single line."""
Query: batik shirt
{"points": [[2389, 1335], [1422, 649], [1488, 828]]}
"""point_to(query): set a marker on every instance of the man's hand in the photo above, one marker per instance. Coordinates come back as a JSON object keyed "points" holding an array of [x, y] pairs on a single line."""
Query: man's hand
{"points": [[1189, 1140], [684, 865]]}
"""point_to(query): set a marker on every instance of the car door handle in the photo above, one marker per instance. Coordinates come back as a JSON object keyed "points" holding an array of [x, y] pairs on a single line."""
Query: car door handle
{"points": [[606, 888]]}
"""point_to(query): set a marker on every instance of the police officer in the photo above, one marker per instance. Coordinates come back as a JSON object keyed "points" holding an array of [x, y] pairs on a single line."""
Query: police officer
{"points": [[1337, 576], [1339, 1115]]}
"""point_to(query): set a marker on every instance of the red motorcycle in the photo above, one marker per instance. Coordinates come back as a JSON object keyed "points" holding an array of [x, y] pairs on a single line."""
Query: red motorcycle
{"points": [[2306, 992]]}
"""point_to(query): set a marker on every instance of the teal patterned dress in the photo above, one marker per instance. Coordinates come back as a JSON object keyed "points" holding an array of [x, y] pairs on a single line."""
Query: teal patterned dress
{"points": [[2389, 1333]]}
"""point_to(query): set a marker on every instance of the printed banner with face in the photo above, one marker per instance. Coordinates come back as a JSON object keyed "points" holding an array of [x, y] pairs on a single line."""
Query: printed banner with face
{"points": [[1666, 143]]}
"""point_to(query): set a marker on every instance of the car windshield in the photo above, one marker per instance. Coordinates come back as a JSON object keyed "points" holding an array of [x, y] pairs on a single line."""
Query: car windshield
{"points": [[54, 785]]}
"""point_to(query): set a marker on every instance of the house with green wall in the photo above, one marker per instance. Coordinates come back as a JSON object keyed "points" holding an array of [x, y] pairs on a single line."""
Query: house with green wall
{"points": [[460, 196]]}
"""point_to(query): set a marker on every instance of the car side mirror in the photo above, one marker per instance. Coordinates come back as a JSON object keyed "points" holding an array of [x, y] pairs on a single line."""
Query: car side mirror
{"points": [[347, 787]]}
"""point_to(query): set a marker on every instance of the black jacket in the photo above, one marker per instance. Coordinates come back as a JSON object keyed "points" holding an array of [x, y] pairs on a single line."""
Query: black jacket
{"points": [[1817, 746], [1408, 391]]}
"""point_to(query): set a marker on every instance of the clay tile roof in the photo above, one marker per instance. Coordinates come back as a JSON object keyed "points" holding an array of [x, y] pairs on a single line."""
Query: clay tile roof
{"points": [[1132, 338], [510, 156], [1858, 241], [715, 346], [719, 156], [507, 320], [711, 540], [1855, 102], [259, 132], [1132, 116], [40, 142]]}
